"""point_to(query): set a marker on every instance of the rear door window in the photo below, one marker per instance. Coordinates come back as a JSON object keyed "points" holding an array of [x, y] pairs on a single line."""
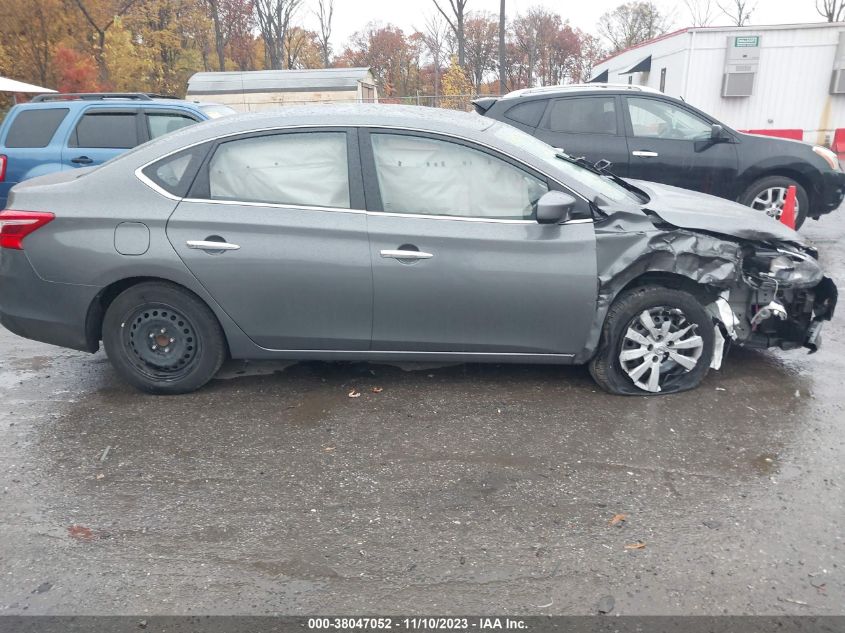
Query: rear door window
{"points": [[161, 123], [308, 168], [35, 128], [584, 115], [107, 130], [176, 172]]}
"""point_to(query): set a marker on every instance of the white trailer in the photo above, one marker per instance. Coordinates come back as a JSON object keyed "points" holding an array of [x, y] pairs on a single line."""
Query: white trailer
{"points": [[252, 91]]}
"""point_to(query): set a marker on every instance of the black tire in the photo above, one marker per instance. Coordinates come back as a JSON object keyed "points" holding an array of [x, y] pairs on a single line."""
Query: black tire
{"points": [[163, 339], [778, 182], [606, 366]]}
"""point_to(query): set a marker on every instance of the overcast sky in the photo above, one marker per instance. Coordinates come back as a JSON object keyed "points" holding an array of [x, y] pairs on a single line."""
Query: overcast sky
{"points": [[351, 15]]}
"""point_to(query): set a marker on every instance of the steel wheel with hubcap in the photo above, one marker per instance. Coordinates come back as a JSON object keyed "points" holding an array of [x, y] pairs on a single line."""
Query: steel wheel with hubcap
{"points": [[655, 340], [658, 345]]}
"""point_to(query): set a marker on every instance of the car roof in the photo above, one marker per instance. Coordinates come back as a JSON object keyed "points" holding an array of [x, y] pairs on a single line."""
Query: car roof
{"points": [[575, 88], [363, 114], [437, 120], [122, 102]]}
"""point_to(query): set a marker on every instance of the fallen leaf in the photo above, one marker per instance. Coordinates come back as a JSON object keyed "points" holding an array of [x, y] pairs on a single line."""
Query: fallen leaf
{"points": [[637, 545], [354, 393], [328, 449], [618, 518], [81, 533], [100, 475], [378, 389]]}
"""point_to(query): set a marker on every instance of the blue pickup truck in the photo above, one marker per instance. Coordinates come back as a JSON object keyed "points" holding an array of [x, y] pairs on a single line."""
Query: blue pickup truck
{"points": [[64, 131]]}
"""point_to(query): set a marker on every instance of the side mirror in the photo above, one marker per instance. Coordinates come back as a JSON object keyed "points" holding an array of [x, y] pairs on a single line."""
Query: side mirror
{"points": [[717, 132], [554, 207]]}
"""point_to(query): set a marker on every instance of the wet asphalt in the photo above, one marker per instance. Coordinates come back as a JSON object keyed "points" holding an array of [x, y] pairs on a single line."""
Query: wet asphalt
{"points": [[451, 490]]}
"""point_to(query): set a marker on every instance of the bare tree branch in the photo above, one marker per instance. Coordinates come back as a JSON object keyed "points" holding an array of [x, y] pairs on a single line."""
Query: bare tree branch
{"points": [[739, 11], [456, 23], [325, 12]]}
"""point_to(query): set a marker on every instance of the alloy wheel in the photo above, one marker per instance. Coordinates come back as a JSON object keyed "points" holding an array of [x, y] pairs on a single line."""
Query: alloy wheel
{"points": [[771, 202]]}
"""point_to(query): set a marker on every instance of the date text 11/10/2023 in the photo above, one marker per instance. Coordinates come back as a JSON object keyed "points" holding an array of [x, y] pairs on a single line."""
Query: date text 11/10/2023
{"points": [[417, 623]]}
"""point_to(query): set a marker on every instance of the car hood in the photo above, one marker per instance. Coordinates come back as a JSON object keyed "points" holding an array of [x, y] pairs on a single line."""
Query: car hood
{"points": [[702, 212]]}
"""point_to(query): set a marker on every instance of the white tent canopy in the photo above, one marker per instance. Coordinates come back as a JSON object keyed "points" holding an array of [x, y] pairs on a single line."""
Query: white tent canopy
{"points": [[10, 85]]}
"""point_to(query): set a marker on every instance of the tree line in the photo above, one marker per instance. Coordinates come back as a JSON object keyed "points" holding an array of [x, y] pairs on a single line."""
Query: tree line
{"points": [[156, 45]]}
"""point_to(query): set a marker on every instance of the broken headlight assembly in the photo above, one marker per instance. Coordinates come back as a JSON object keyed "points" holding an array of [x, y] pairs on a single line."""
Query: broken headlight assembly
{"points": [[782, 268], [790, 296]]}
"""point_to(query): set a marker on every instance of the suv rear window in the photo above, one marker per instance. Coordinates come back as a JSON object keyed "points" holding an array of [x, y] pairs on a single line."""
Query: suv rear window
{"points": [[527, 113], [35, 128], [112, 130]]}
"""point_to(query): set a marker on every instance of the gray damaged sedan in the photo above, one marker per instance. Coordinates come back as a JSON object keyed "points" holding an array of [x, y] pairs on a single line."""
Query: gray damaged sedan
{"points": [[385, 233]]}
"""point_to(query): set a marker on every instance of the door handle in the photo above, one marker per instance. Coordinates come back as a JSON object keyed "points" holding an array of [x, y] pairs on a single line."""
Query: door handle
{"points": [[398, 254], [645, 154], [81, 160], [206, 245]]}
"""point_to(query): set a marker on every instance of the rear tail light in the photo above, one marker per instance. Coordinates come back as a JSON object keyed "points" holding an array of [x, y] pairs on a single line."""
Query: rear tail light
{"points": [[16, 225], [4, 160]]}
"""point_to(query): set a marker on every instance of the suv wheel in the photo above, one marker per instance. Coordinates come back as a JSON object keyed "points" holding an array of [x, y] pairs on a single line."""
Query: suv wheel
{"points": [[654, 340], [768, 195], [163, 339]]}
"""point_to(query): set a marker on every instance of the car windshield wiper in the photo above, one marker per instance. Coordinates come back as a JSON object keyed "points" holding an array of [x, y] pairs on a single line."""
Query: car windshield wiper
{"points": [[600, 168]]}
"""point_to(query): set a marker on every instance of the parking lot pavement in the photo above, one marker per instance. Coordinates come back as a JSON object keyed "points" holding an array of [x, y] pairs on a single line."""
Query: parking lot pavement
{"points": [[462, 489]]}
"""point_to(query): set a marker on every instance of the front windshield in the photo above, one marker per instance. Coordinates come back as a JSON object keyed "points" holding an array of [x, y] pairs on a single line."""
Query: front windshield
{"points": [[599, 184]]}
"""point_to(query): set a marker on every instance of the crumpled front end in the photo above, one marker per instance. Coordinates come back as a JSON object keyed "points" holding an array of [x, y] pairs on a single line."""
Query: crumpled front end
{"points": [[784, 300], [761, 293]]}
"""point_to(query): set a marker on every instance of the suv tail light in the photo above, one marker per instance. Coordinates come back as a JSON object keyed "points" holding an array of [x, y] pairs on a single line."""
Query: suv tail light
{"points": [[16, 225], [4, 160]]}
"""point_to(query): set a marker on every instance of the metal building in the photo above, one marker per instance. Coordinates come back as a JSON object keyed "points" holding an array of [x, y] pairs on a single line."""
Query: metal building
{"points": [[268, 89], [784, 80]]}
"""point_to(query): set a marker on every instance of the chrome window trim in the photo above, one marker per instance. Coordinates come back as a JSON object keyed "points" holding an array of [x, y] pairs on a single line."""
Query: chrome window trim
{"points": [[139, 173], [273, 205], [417, 216]]}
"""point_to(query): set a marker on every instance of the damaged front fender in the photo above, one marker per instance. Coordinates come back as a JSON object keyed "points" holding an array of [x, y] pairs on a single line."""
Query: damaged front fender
{"points": [[629, 247]]}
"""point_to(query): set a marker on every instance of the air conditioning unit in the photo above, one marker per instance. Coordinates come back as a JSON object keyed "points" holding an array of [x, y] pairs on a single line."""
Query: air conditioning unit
{"points": [[742, 61], [738, 84], [837, 79], [837, 82]]}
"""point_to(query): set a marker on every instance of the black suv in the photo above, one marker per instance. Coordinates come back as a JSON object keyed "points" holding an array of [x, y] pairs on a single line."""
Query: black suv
{"points": [[649, 136]]}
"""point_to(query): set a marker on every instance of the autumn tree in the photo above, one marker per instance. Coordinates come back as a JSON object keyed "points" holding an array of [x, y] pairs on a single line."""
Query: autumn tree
{"points": [[590, 52], [457, 87], [434, 40], [389, 55], [739, 11], [101, 16], [480, 49], [30, 31], [75, 71], [325, 13], [633, 23], [274, 19], [455, 18], [302, 49]]}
